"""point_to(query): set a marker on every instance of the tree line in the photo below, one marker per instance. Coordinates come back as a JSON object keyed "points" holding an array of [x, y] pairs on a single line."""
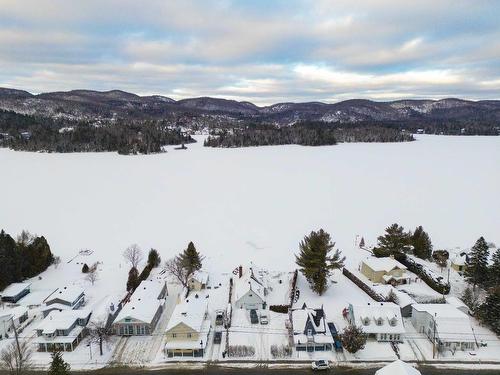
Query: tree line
{"points": [[25, 257]]}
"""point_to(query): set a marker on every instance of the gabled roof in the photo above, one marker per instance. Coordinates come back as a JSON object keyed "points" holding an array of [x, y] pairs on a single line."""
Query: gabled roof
{"points": [[301, 317], [398, 368], [250, 280], [386, 264], [190, 312], [14, 289], [68, 293], [144, 302]]}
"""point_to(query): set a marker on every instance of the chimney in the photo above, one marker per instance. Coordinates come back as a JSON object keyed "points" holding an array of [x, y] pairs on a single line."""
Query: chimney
{"points": [[240, 271]]}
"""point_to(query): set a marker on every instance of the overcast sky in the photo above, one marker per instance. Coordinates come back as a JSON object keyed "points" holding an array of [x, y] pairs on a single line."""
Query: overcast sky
{"points": [[258, 50]]}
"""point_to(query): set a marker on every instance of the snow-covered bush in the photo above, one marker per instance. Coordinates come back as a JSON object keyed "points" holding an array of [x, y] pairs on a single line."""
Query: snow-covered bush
{"points": [[281, 351], [241, 351]]}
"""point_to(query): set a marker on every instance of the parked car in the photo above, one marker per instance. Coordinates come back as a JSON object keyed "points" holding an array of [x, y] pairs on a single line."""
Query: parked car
{"points": [[321, 364], [219, 317], [217, 337], [254, 319], [263, 319]]}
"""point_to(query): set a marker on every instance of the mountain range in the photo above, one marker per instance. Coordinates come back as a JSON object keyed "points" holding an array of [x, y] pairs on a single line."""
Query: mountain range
{"points": [[92, 105]]}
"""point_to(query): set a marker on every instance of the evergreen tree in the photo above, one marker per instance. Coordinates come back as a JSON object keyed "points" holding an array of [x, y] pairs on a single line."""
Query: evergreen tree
{"points": [[154, 259], [395, 240], [191, 259], [133, 279], [490, 310], [58, 366], [421, 242], [10, 269], [353, 338], [494, 271], [476, 271], [471, 299], [362, 243], [314, 260], [85, 268]]}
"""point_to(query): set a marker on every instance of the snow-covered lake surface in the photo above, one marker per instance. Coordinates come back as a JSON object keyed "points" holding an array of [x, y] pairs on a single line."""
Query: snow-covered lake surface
{"points": [[254, 204]]}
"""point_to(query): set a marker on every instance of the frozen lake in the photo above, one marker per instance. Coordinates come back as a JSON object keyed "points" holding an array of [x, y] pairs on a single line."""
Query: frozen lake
{"points": [[255, 204]]}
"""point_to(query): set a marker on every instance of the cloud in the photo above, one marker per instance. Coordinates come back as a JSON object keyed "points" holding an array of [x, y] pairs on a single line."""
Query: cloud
{"points": [[265, 52]]}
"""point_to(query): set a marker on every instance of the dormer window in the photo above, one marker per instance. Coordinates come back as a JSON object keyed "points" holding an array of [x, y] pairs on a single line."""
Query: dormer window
{"points": [[393, 322], [380, 321], [366, 321]]}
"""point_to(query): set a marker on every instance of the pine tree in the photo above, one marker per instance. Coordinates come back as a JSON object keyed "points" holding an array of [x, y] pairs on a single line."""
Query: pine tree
{"points": [[362, 243], [154, 259], [314, 260], [85, 268], [58, 366], [353, 338], [421, 242], [191, 259], [133, 279], [476, 271], [490, 310], [494, 271], [471, 299], [394, 241]]}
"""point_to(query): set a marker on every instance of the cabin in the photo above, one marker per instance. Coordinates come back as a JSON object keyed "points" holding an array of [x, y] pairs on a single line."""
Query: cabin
{"points": [[445, 325], [188, 328], [62, 330], [198, 281], [65, 298], [459, 262], [380, 320], [15, 291], [384, 271], [310, 330], [250, 290], [141, 313]]}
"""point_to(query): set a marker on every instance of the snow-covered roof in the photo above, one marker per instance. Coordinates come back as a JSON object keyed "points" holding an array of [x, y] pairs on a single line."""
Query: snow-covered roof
{"points": [[451, 323], [144, 302], [398, 367], [18, 311], [200, 276], [61, 320], [14, 289], [460, 259], [200, 342], [250, 280], [300, 317], [68, 293], [191, 312], [386, 264], [378, 317], [454, 301]]}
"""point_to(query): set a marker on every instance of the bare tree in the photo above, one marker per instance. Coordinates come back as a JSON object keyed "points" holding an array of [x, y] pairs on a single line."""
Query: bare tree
{"points": [[175, 267], [100, 332], [16, 357], [134, 255], [92, 274]]}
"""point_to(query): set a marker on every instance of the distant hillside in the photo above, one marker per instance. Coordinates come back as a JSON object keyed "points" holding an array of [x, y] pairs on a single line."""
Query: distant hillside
{"points": [[95, 105]]}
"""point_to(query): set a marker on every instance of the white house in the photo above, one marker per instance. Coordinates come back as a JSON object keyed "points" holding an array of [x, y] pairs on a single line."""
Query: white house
{"points": [[445, 325], [64, 298], [62, 330], [310, 330], [141, 314], [188, 329], [381, 320], [198, 281], [398, 367], [12, 317], [250, 289]]}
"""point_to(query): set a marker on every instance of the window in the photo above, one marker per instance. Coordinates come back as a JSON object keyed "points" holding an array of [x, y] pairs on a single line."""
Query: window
{"points": [[188, 335], [309, 332], [174, 335], [366, 321], [379, 321]]}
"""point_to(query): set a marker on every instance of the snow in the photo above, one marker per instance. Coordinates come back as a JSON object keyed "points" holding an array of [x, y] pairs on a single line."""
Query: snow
{"points": [[191, 312], [61, 320], [398, 368], [386, 264], [14, 289], [380, 318]]}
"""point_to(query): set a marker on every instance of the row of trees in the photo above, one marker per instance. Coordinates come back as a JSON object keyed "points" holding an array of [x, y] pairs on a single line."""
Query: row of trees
{"points": [[23, 258], [134, 255], [396, 240]]}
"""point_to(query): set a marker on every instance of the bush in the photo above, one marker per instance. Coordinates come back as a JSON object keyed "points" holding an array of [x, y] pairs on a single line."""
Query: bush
{"points": [[353, 338], [281, 309], [281, 351], [154, 259], [241, 351]]}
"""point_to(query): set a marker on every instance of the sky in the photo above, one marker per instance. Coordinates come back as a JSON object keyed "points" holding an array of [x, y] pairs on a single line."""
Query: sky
{"points": [[256, 50]]}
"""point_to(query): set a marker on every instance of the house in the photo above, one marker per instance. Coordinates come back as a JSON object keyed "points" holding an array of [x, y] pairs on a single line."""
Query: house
{"points": [[12, 318], [65, 298], [62, 330], [15, 291], [141, 314], [444, 325], [188, 329], [5, 325], [249, 290], [384, 270], [381, 320], [310, 330], [459, 262], [398, 367], [198, 281]]}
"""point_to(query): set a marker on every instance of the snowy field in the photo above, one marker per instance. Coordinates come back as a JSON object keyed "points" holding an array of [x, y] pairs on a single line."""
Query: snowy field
{"points": [[239, 205]]}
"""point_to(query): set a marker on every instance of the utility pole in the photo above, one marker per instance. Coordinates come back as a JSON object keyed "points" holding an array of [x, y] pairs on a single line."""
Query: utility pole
{"points": [[434, 338]]}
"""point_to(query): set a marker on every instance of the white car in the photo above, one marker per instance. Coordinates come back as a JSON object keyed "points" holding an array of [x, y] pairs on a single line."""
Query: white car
{"points": [[321, 364], [263, 319]]}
